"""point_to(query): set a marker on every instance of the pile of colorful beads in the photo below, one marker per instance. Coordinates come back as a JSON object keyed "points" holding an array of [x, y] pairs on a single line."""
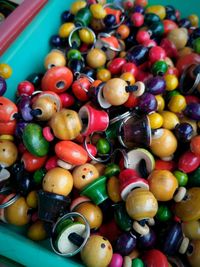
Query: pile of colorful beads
{"points": [[101, 153]]}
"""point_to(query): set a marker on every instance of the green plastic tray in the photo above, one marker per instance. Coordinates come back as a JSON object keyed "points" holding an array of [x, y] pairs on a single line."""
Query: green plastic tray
{"points": [[25, 56]]}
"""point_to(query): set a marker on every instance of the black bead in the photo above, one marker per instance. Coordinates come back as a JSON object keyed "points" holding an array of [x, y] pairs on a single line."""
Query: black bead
{"points": [[55, 41], [67, 16], [76, 65], [109, 21]]}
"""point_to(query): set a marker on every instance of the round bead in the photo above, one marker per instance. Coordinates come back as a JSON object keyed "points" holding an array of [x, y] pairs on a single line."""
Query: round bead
{"points": [[164, 214], [156, 120], [137, 263], [177, 103], [171, 82], [5, 70], [117, 260], [181, 177], [65, 29]]}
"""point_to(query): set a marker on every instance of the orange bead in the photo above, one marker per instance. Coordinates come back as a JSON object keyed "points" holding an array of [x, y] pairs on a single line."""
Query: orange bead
{"points": [[195, 145], [162, 184], [124, 31], [113, 189]]}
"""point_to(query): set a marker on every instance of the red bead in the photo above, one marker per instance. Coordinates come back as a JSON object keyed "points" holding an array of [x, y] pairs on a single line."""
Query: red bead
{"points": [[165, 165], [67, 100], [47, 134], [137, 19], [156, 53], [31, 162], [172, 70], [115, 67], [191, 99], [169, 25], [154, 258], [130, 67], [195, 145], [25, 88], [131, 102], [142, 36], [188, 162], [80, 88], [51, 163], [150, 43]]}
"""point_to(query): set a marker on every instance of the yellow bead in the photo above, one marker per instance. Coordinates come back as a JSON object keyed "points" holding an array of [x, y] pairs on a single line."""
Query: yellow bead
{"points": [[65, 29], [5, 71], [32, 200], [177, 103], [6, 137], [158, 10], [194, 20], [98, 12], [113, 189], [104, 75], [76, 6], [171, 82], [86, 36], [128, 77], [170, 120], [160, 102], [122, 54], [156, 120]]}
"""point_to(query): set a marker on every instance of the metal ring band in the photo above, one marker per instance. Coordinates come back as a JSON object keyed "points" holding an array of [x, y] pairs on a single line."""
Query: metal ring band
{"points": [[87, 230], [10, 201], [79, 75], [195, 84], [79, 28], [106, 35]]}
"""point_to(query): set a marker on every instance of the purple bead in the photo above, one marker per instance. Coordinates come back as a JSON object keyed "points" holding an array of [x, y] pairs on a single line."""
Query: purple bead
{"points": [[3, 86], [155, 85], [193, 111], [125, 244], [139, 9], [137, 54], [147, 241], [147, 103], [25, 109], [183, 132], [117, 260]]}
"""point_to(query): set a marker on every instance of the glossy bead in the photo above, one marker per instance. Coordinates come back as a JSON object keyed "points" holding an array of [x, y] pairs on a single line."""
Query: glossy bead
{"points": [[74, 54], [187, 210], [142, 36], [196, 45], [128, 77], [125, 243], [164, 143], [97, 10], [155, 85], [169, 25], [164, 213], [159, 67], [96, 58], [130, 67], [147, 103], [179, 37], [71, 152], [137, 263], [8, 153], [54, 58], [76, 6], [67, 16], [158, 10], [192, 111], [156, 120], [66, 124], [156, 53], [177, 103], [188, 162], [80, 88], [170, 120], [137, 19], [183, 132], [57, 79], [181, 177], [123, 31], [171, 82], [109, 20], [116, 65], [84, 175], [116, 261], [37, 231], [141, 204], [25, 88], [104, 75], [56, 41], [97, 252], [31, 162], [156, 29], [113, 189], [195, 145], [194, 20], [92, 213], [103, 146], [160, 103], [147, 241], [5, 70], [155, 258], [65, 29], [121, 217], [86, 36], [17, 213], [3, 86]]}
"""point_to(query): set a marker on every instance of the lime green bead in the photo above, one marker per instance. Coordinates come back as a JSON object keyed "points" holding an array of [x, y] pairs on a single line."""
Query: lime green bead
{"points": [[159, 67], [137, 263], [74, 54], [181, 177], [163, 214], [196, 45], [103, 146]]}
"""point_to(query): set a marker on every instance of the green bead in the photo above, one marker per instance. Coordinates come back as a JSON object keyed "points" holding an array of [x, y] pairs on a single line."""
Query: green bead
{"points": [[83, 17], [194, 178], [159, 67], [157, 28], [39, 175], [121, 217], [196, 45], [163, 214], [74, 54], [181, 177], [111, 132], [112, 169], [151, 18], [137, 263], [103, 146]]}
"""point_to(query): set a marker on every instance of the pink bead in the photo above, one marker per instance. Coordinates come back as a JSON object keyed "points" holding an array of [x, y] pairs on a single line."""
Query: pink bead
{"points": [[116, 261], [142, 36], [156, 53], [51, 163], [137, 19], [47, 134], [149, 43]]}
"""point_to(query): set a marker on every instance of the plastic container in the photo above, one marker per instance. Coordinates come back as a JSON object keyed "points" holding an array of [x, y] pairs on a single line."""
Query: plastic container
{"points": [[26, 56]]}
